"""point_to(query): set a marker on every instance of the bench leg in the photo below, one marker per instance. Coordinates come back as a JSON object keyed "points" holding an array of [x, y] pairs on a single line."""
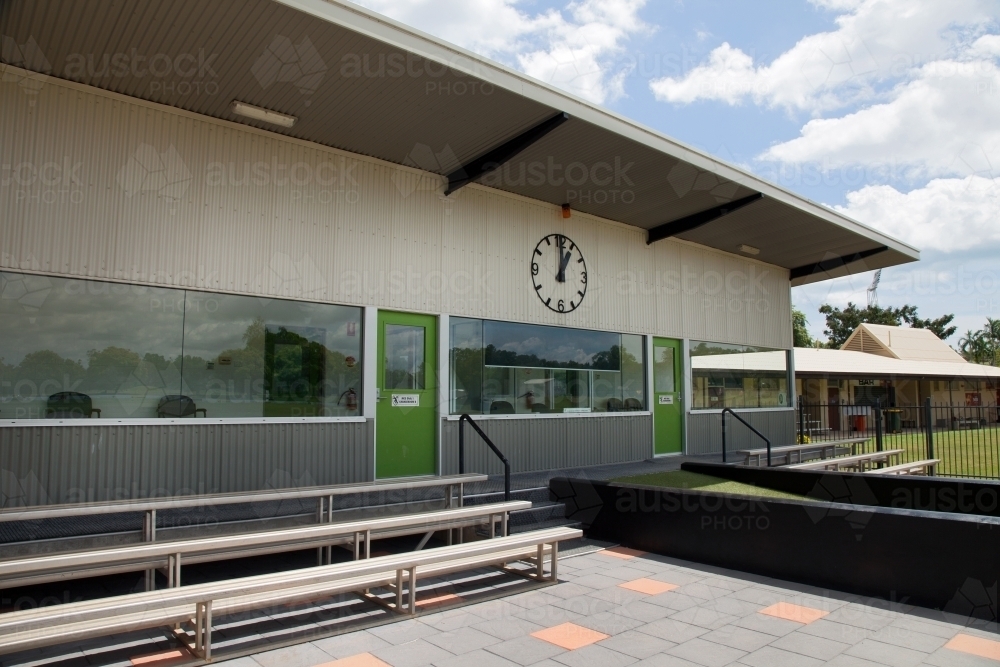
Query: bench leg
{"points": [[413, 590], [203, 630], [554, 563], [399, 590], [504, 524], [149, 535], [540, 562]]}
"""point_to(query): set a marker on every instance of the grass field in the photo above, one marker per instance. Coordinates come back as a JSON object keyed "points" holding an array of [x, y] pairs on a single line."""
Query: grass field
{"points": [[963, 453], [682, 479]]}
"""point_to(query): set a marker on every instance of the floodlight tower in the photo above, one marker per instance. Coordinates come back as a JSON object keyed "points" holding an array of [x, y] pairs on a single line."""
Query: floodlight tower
{"points": [[873, 289]]}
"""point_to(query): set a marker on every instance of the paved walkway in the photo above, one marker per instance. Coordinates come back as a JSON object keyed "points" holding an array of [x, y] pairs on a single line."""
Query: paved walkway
{"points": [[619, 607]]}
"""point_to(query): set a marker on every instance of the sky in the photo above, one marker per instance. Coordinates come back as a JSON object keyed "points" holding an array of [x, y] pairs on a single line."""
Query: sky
{"points": [[885, 110]]}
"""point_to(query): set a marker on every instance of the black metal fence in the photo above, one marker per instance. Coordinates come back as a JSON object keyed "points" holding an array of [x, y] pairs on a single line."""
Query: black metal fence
{"points": [[966, 439]]}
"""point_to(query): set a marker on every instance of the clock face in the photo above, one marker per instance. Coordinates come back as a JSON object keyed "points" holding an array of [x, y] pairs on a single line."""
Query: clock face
{"points": [[559, 273]]}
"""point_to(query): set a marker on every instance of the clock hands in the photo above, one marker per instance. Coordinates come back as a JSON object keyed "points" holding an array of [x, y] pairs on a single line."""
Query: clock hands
{"points": [[563, 259]]}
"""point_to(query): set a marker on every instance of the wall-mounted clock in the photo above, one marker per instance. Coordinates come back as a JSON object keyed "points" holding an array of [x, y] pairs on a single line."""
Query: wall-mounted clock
{"points": [[559, 273]]}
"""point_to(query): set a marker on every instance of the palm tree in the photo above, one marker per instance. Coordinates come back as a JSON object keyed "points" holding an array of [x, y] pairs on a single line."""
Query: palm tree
{"points": [[975, 346]]}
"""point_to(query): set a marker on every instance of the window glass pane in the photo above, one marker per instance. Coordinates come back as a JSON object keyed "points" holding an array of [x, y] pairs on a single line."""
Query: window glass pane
{"points": [[663, 369], [633, 372], [507, 368], [404, 357], [526, 345], [467, 367], [71, 348], [251, 357], [738, 376]]}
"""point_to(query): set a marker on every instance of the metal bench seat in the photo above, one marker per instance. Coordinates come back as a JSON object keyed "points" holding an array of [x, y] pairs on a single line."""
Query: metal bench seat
{"points": [[791, 454], [924, 467], [45, 626], [858, 461], [152, 555]]}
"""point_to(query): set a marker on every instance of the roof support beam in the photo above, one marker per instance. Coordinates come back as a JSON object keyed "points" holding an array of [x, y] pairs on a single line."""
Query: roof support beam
{"points": [[833, 264], [695, 220], [496, 157]]}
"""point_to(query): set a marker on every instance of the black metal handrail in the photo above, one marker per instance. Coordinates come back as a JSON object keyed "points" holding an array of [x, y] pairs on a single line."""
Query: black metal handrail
{"points": [[747, 424], [461, 451]]}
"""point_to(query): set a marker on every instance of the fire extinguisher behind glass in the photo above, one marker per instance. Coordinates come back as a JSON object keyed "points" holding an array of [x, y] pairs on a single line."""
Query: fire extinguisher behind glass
{"points": [[351, 398]]}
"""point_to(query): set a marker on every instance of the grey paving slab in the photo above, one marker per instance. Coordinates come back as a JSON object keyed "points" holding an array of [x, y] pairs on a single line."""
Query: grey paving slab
{"points": [[299, 655], [810, 645], [636, 644], [462, 640], [595, 654], [705, 618], [610, 623], [644, 611], [666, 660], [778, 627], [245, 661], [412, 654], [402, 631], [732, 606], [709, 654], [588, 605], [525, 650], [946, 657], [886, 654], [740, 638], [508, 628], [672, 630], [674, 600], [919, 640], [769, 656], [838, 632], [479, 658], [701, 590], [350, 643], [548, 616]]}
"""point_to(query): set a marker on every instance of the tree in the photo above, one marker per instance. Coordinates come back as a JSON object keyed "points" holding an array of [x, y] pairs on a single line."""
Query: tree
{"points": [[939, 326], [800, 334], [982, 346], [841, 323]]}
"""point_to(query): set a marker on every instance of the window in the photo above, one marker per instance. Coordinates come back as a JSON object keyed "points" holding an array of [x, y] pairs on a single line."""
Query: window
{"points": [[404, 357], [738, 376], [75, 348], [507, 368]]}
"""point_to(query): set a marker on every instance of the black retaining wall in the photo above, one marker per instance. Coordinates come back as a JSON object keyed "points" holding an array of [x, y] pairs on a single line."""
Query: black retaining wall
{"points": [[941, 561], [936, 494]]}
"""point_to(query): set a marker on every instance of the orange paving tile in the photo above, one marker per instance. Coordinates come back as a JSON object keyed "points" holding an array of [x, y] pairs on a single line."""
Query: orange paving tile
{"points": [[569, 636], [622, 552], [648, 586], [359, 660], [436, 600], [984, 648], [794, 612], [162, 658]]}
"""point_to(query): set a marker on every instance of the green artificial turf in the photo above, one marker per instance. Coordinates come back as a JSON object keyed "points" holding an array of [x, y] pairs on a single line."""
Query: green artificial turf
{"points": [[682, 479]]}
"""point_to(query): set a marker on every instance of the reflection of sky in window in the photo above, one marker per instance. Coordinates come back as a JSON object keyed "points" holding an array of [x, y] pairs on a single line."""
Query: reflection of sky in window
{"points": [[554, 344], [217, 322], [77, 316]]}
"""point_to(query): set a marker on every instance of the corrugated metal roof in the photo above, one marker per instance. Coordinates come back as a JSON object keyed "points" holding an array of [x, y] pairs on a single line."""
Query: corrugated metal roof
{"points": [[360, 82], [844, 362]]}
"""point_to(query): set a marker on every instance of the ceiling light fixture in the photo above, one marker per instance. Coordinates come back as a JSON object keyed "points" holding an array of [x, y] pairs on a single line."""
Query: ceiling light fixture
{"points": [[256, 113], [748, 249]]}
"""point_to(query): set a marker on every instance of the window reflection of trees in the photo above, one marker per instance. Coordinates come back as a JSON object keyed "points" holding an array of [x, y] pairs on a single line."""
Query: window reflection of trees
{"points": [[239, 381]]}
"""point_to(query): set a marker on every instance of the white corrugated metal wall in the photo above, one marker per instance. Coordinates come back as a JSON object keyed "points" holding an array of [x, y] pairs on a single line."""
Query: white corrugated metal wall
{"points": [[95, 185]]}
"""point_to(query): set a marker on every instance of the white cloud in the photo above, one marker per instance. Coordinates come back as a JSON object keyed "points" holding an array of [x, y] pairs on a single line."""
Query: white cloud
{"points": [[947, 215], [573, 49], [875, 41], [944, 122]]}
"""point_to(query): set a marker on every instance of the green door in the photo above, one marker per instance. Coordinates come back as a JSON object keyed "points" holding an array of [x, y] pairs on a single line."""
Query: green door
{"points": [[668, 412], [405, 416]]}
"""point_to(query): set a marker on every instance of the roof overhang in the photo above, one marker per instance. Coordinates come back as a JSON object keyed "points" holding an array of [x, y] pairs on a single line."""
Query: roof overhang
{"points": [[360, 82]]}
